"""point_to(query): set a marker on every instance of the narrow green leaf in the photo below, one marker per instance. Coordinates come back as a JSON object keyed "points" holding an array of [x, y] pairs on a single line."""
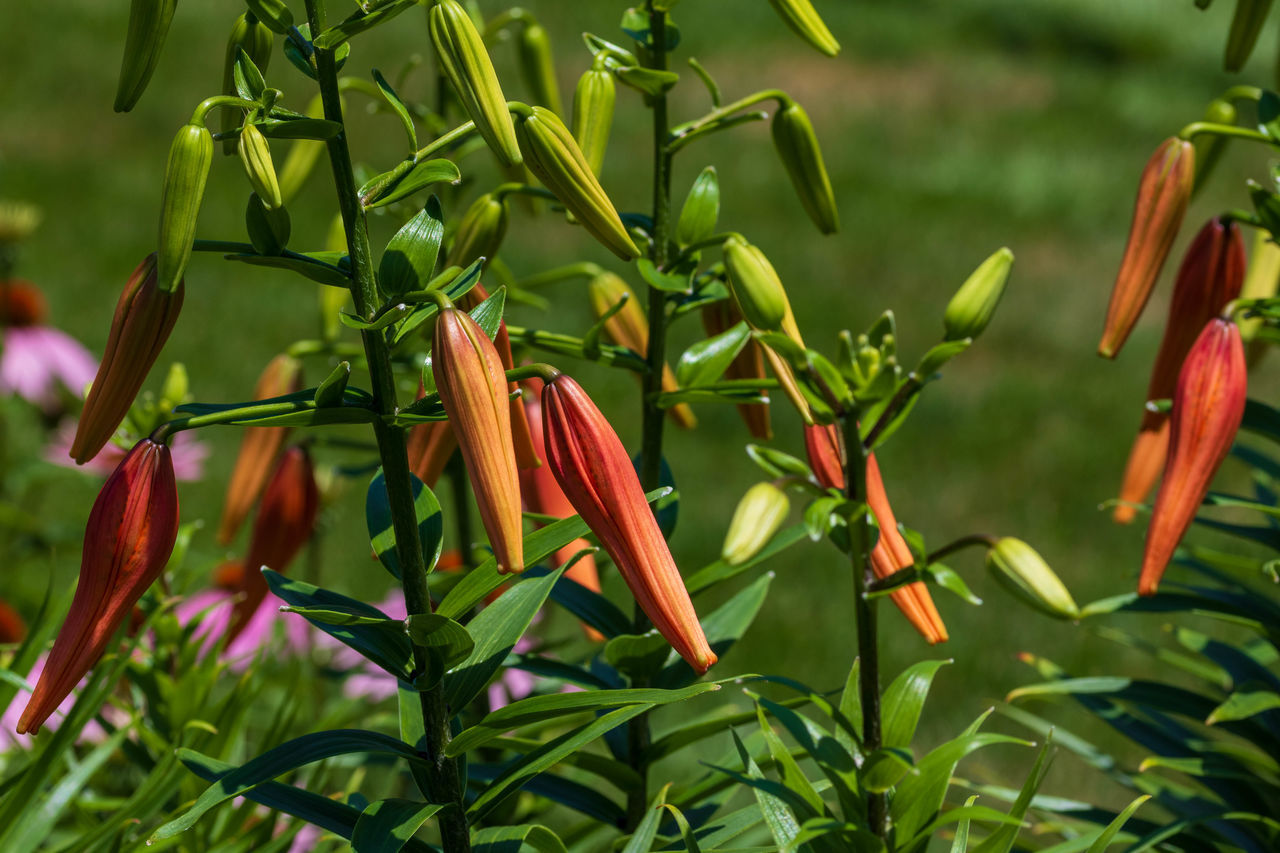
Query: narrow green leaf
{"points": [[314, 269], [409, 260], [1243, 704], [421, 176], [337, 35], [686, 831], [1001, 841], [1109, 832], [670, 282], [722, 627], [641, 841], [512, 839], [904, 700], [398, 107], [488, 314], [960, 844], [707, 360], [385, 826]]}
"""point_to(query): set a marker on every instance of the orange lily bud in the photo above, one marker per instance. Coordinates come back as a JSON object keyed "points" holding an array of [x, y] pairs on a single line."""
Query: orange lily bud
{"points": [[144, 316], [526, 453], [1208, 406], [128, 539], [1211, 275], [430, 446], [1163, 193], [542, 494], [595, 472], [891, 552], [717, 318], [473, 389], [258, 447], [630, 328]]}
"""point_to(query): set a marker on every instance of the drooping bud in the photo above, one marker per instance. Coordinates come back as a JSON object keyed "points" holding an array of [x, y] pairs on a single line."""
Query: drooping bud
{"points": [[148, 25], [480, 232], [629, 328], [805, 22], [755, 285], [593, 102], [190, 156], [473, 389], [797, 147], [538, 65], [128, 539], [718, 318], [1021, 570], [255, 155], [595, 472], [1210, 276], [1163, 193], [258, 447], [255, 39], [144, 317], [274, 13], [758, 516], [1246, 25], [970, 310], [554, 157], [464, 60], [1208, 406]]}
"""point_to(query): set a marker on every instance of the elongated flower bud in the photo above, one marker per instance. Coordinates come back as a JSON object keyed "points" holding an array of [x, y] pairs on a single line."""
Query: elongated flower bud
{"points": [[554, 157], [797, 147], [255, 155], [1021, 570], [717, 318], [1207, 409], [593, 102], [1210, 276], [758, 516], [1163, 193], [144, 317], [430, 446], [595, 472], [537, 63], [755, 285], [973, 305], [805, 22], [480, 232], [128, 539], [148, 26], [630, 328], [190, 156], [1246, 25], [255, 39], [473, 389], [466, 63], [1262, 280], [258, 447]]}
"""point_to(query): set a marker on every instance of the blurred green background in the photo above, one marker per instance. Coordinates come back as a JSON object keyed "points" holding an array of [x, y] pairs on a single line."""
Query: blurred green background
{"points": [[950, 127]]}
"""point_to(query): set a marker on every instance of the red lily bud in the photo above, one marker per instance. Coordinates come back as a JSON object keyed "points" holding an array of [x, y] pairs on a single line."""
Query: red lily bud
{"points": [[596, 474], [891, 552], [144, 317], [128, 539], [717, 318], [1211, 275], [473, 389], [430, 446], [258, 447], [1163, 193], [1208, 406]]}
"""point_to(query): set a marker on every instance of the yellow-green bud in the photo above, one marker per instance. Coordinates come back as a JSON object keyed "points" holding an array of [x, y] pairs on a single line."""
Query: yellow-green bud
{"points": [[971, 308], [755, 285], [797, 147], [274, 13], [185, 174], [538, 66], [255, 39], [1246, 25], [701, 208], [593, 102], [804, 20], [148, 25], [1262, 280], [466, 63], [480, 232], [1022, 571], [759, 515], [255, 155], [554, 157]]}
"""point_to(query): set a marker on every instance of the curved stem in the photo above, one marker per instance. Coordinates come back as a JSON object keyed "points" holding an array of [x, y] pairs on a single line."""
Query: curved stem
{"points": [[1198, 128], [971, 541], [1242, 93], [585, 269], [203, 108], [729, 109]]}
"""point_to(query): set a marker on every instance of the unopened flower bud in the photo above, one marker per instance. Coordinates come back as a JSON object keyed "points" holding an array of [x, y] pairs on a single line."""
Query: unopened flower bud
{"points": [[430, 447], [759, 515], [1261, 281], [537, 63], [274, 13], [971, 308], [190, 156], [797, 147], [480, 232], [255, 39], [593, 102], [804, 20], [756, 288], [1022, 571], [148, 25], [1246, 25], [255, 155], [701, 208]]}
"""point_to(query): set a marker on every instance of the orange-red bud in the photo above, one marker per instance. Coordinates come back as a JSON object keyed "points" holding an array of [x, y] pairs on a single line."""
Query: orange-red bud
{"points": [[1163, 193], [144, 316], [1208, 406], [717, 318], [595, 472], [473, 389], [128, 539], [12, 628], [258, 447], [430, 447]]}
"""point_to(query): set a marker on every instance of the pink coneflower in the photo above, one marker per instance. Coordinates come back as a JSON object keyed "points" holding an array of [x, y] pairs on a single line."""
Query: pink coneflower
{"points": [[188, 454], [36, 360]]}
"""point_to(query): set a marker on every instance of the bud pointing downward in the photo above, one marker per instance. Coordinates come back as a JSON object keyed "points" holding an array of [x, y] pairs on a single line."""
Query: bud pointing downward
{"points": [[797, 147], [756, 288], [185, 176], [803, 19], [255, 154]]}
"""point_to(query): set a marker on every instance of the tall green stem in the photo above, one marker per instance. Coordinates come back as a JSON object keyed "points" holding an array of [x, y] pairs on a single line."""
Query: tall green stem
{"points": [[443, 776]]}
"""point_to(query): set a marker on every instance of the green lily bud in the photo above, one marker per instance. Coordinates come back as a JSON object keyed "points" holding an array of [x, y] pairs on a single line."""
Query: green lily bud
{"points": [[701, 208], [759, 515], [797, 147], [255, 154], [255, 39], [1246, 25], [466, 63], [554, 157], [803, 19], [148, 25], [273, 13], [971, 308], [1026, 575], [538, 66], [755, 285], [593, 102], [268, 228], [190, 156], [480, 232]]}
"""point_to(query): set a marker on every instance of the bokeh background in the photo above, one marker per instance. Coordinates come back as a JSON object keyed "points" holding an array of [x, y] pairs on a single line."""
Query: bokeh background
{"points": [[950, 127]]}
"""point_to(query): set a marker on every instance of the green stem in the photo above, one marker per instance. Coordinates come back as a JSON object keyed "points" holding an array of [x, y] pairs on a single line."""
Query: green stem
{"points": [[729, 109], [1197, 128], [1242, 93], [975, 540], [443, 781], [584, 269], [202, 109]]}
